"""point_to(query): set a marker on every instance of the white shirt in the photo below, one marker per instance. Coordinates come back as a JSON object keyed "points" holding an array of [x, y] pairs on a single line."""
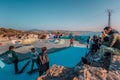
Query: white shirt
{"points": [[34, 55]]}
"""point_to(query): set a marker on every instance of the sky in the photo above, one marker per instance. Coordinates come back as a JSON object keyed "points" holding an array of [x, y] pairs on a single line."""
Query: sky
{"points": [[76, 15]]}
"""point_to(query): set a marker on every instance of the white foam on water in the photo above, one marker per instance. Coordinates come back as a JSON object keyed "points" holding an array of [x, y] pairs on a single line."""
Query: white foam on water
{"points": [[2, 65]]}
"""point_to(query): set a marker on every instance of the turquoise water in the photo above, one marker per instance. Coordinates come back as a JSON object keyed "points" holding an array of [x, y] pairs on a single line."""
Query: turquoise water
{"points": [[68, 57], [82, 38], [91, 34]]}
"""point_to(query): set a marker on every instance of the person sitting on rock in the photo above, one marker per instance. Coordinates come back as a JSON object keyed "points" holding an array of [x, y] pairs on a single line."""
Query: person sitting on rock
{"points": [[114, 38], [43, 62], [34, 55], [111, 42]]}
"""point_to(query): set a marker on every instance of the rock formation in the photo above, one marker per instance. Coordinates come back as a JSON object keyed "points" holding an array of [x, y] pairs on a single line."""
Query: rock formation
{"points": [[101, 68]]}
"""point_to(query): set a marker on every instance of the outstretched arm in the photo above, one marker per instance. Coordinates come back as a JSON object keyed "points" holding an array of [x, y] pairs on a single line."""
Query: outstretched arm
{"points": [[3, 54]]}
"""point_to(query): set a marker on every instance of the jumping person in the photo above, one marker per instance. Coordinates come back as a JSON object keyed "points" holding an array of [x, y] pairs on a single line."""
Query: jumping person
{"points": [[13, 57]]}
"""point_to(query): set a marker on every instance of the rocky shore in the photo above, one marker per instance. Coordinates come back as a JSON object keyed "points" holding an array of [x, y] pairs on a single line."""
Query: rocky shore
{"points": [[107, 68]]}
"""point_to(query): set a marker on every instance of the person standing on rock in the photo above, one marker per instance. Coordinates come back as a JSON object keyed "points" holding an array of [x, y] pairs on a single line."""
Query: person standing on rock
{"points": [[71, 42], [43, 62], [13, 57], [34, 55]]}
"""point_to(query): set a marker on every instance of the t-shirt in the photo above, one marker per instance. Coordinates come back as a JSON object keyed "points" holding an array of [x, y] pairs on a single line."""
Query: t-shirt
{"points": [[72, 40], [34, 55], [44, 58]]}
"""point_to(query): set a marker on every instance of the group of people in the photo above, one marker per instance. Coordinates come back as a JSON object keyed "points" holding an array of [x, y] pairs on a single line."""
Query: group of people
{"points": [[110, 38], [108, 43], [41, 59], [94, 43]]}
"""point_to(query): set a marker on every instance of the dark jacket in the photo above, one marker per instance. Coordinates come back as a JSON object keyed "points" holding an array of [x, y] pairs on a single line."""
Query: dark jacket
{"points": [[113, 31], [12, 55], [114, 40]]}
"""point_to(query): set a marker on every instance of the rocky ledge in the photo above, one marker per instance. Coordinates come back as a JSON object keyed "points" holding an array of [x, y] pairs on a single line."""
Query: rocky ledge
{"points": [[106, 67]]}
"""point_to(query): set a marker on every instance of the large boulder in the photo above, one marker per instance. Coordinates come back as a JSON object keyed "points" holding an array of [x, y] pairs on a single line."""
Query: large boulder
{"points": [[57, 72]]}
